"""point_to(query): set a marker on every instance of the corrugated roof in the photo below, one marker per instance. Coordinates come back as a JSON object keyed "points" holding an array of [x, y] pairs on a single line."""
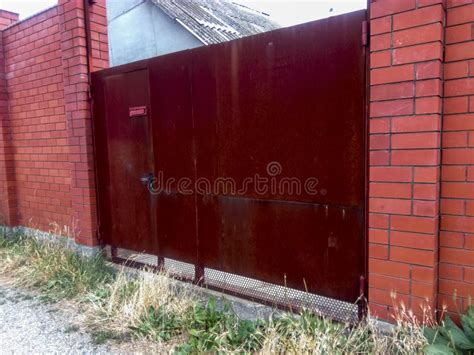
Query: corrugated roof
{"points": [[215, 21]]}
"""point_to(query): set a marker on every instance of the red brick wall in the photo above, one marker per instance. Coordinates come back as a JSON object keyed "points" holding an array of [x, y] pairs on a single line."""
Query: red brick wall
{"points": [[46, 169], [77, 105], [406, 73], [456, 268], [38, 125], [421, 188]]}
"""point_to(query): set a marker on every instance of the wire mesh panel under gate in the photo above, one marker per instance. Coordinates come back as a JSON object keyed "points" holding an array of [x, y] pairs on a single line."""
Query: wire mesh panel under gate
{"points": [[242, 165], [277, 296]]}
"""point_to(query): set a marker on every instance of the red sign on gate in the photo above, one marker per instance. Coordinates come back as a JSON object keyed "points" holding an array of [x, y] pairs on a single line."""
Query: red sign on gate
{"points": [[137, 111]]}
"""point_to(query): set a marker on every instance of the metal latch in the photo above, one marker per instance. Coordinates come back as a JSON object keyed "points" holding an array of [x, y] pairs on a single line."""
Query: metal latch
{"points": [[147, 179]]}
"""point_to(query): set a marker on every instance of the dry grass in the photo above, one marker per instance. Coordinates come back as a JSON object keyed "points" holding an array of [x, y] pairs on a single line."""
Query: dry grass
{"points": [[58, 271], [152, 306], [295, 337], [407, 335], [121, 304]]}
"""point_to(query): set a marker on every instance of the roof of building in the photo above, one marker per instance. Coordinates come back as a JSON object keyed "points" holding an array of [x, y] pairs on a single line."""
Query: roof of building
{"points": [[215, 21]]}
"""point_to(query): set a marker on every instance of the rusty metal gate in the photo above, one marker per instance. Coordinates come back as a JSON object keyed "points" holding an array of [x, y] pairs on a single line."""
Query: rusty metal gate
{"points": [[242, 164]]}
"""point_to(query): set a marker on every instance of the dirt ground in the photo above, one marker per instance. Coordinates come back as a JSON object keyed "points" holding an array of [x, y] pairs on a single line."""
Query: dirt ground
{"points": [[29, 325]]}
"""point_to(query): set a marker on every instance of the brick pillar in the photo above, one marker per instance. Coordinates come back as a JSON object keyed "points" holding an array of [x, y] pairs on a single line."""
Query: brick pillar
{"points": [[407, 39], [456, 269], [8, 201], [7, 18], [77, 105]]}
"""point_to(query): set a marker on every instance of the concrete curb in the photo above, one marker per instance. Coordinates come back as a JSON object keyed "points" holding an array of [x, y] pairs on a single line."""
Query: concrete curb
{"points": [[50, 237]]}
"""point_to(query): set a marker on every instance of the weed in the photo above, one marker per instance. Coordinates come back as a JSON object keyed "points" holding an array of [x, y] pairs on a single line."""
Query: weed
{"points": [[211, 328], [407, 335], [103, 336], [295, 334], [158, 323], [26, 297], [71, 329], [449, 338]]}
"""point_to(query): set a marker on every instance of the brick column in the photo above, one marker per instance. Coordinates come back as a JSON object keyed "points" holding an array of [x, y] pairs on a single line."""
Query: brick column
{"points": [[77, 106], [7, 18], [406, 44], [456, 270], [8, 201]]}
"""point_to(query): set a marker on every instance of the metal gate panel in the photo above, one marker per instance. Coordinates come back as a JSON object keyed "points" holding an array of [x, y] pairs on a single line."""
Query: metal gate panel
{"points": [[284, 243], [291, 101], [173, 145], [294, 96], [123, 157]]}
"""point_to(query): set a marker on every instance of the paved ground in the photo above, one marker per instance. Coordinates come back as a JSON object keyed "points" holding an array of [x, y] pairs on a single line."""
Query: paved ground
{"points": [[28, 326]]}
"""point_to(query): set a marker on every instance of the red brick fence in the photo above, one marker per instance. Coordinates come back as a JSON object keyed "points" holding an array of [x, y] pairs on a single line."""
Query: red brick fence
{"points": [[46, 155], [421, 173], [421, 189]]}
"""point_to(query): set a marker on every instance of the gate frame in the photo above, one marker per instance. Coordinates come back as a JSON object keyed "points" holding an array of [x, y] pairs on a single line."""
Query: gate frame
{"points": [[362, 301]]}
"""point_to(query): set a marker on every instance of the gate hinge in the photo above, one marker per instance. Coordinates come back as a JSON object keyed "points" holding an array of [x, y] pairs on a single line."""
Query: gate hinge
{"points": [[365, 33], [99, 237], [89, 91]]}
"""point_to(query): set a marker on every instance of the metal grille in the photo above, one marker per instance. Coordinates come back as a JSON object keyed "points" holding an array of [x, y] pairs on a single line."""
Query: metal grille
{"points": [[273, 295], [175, 268], [280, 296], [179, 268]]}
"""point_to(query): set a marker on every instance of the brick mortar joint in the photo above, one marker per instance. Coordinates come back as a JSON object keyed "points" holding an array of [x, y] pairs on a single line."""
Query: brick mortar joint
{"points": [[439, 195]]}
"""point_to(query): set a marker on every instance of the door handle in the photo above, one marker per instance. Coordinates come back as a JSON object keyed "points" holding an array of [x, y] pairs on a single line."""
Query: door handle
{"points": [[147, 179]]}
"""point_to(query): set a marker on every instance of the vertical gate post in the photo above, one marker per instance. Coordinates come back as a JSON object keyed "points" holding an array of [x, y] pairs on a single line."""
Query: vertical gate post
{"points": [[406, 81], [362, 301], [456, 270], [199, 274], [161, 263], [75, 56]]}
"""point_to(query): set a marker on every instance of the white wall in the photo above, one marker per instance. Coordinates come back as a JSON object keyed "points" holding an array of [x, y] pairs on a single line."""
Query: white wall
{"points": [[139, 30]]}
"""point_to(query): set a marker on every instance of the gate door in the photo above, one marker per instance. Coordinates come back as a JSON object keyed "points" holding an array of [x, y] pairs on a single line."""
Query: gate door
{"points": [[124, 159]]}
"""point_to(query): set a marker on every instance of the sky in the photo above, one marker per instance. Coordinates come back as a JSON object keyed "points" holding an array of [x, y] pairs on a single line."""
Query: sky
{"points": [[284, 12], [26, 8], [288, 13]]}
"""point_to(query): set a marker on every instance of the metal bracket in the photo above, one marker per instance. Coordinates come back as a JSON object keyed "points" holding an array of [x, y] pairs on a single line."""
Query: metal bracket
{"points": [[362, 300], [365, 33]]}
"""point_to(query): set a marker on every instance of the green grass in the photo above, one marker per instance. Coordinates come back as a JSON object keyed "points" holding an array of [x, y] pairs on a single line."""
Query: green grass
{"points": [[71, 329], [152, 306], [103, 336], [213, 329], [57, 271]]}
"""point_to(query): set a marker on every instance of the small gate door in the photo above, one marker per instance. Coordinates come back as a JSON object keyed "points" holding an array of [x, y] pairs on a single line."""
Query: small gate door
{"points": [[125, 160]]}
